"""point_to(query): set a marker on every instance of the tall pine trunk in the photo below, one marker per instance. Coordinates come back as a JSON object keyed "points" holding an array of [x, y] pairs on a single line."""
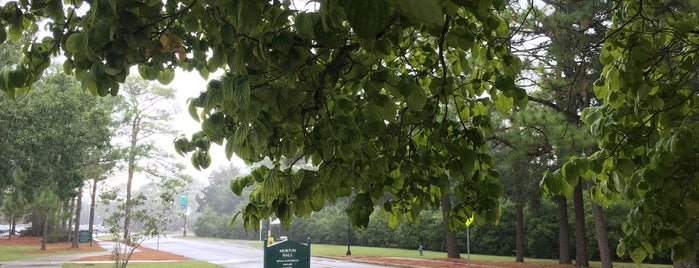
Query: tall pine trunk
{"points": [[601, 233], [579, 208], [519, 229], [129, 181], [13, 226], [78, 211], [563, 231], [44, 231], [93, 196], [686, 264], [449, 236]]}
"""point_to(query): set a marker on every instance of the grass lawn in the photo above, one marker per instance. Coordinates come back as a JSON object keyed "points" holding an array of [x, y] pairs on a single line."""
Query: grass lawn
{"points": [[337, 250], [13, 253], [184, 264]]}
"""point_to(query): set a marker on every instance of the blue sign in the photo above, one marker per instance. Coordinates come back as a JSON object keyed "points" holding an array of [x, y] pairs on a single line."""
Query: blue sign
{"points": [[183, 200]]}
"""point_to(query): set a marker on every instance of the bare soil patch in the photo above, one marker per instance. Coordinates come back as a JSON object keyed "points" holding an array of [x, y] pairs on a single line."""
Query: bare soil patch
{"points": [[144, 254], [50, 247]]}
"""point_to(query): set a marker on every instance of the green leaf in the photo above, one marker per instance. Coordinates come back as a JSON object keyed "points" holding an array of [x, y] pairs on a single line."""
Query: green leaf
{"points": [[621, 249], [284, 213], [166, 76], [241, 94], [367, 17], [417, 98], [638, 255], [147, 72], [626, 167], [429, 12], [566, 188], [75, 43], [504, 104], [569, 170], [360, 209], [192, 108], [249, 15], [230, 147]]}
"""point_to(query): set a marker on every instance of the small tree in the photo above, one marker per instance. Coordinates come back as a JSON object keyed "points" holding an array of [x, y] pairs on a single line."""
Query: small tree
{"points": [[151, 215], [46, 203]]}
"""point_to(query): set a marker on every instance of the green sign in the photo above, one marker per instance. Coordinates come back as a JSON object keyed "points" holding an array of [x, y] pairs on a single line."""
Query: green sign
{"points": [[288, 254], [84, 236]]}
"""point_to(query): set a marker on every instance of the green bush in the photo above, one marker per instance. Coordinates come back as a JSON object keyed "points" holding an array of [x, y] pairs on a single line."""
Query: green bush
{"points": [[209, 224], [57, 237]]}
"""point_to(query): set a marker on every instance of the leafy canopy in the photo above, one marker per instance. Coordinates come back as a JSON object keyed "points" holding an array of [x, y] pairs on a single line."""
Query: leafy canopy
{"points": [[387, 99]]}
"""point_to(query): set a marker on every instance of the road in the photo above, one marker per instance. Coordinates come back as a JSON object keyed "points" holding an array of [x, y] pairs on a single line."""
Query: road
{"points": [[232, 254]]}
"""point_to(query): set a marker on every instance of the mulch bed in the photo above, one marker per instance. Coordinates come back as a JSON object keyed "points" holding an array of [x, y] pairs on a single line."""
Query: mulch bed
{"points": [[145, 254]]}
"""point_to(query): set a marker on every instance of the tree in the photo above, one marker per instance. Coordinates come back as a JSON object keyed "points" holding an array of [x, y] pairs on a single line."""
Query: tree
{"points": [[97, 163], [143, 113], [46, 204], [218, 205], [49, 130], [217, 195], [151, 213], [100, 163], [646, 127], [565, 64]]}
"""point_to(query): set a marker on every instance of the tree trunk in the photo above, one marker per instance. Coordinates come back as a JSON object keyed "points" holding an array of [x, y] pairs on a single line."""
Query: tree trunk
{"points": [[131, 169], [685, 264], [93, 195], [69, 220], [13, 226], [45, 232], [563, 231], [519, 228], [37, 225], [127, 208], [601, 233], [78, 211], [449, 236], [65, 222], [578, 206]]}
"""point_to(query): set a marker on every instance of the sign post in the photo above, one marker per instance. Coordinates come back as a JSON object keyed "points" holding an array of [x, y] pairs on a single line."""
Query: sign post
{"points": [[183, 204], [468, 241], [287, 254]]}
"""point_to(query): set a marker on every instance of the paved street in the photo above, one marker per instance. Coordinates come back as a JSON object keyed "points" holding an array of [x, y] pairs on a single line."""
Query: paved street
{"points": [[231, 254]]}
